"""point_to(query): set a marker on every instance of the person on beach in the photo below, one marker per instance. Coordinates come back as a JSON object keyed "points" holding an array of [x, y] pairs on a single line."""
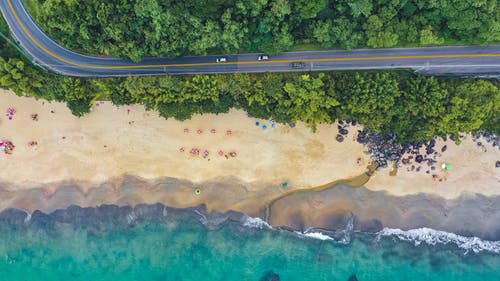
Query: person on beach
{"points": [[32, 143], [10, 113], [205, 154], [34, 117]]}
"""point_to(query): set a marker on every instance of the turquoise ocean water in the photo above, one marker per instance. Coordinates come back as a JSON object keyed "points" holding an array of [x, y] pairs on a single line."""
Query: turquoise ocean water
{"points": [[170, 246]]}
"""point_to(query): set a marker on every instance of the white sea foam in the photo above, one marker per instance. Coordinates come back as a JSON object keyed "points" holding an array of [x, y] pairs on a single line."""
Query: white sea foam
{"points": [[27, 218], [315, 235], [255, 223], [433, 237], [131, 217]]}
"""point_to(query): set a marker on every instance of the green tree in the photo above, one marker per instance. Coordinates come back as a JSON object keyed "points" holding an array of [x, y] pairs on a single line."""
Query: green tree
{"points": [[428, 37], [305, 99], [369, 98], [359, 7], [307, 9], [78, 94], [377, 36], [471, 103], [16, 76]]}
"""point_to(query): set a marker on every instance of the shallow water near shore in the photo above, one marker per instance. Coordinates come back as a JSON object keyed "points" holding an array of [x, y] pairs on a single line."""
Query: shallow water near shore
{"points": [[160, 243]]}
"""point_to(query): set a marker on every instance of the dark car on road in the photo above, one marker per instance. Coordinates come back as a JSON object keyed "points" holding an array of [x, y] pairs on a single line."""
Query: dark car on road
{"points": [[298, 65]]}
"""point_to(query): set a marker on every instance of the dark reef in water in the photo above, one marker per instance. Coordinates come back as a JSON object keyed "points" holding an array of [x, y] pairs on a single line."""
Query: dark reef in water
{"points": [[270, 276], [352, 278]]}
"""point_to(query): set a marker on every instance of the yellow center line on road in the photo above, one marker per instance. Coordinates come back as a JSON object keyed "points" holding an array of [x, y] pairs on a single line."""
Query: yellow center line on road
{"points": [[45, 50]]}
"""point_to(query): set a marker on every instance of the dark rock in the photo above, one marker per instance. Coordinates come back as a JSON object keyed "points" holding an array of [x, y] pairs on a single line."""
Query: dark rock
{"points": [[270, 276], [339, 127], [339, 138], [479, 143], [418, 169], [341, 122], [432, 143], [443, 149], [353, 123], [497, 164], [352, 278], [344, 131], [419, 158], [361, 140]]}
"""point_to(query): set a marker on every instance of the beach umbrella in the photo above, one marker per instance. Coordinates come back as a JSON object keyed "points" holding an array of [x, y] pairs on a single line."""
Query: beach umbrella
{"points": [[447, 167]]}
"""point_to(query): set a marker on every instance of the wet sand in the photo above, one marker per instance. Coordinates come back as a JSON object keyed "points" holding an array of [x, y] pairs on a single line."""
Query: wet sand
{"points": [[331, 209]]}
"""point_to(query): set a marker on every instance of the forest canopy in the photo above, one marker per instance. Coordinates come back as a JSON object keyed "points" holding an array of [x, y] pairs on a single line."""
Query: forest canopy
{"points": [[138, 28]]}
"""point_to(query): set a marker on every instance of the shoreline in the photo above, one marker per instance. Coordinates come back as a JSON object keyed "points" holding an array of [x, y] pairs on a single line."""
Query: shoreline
{"points": [[129, 156], [328, 209]]}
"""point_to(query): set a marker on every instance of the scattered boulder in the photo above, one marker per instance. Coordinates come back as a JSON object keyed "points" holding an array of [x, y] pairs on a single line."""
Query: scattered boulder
{"points": [[443, 149], [270, 276], [339, 138], [419, 158], [343, 131]]}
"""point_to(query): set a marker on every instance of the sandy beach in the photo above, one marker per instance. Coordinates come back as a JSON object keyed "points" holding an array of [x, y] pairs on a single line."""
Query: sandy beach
{"points": [[110, 142], [97, 151]]}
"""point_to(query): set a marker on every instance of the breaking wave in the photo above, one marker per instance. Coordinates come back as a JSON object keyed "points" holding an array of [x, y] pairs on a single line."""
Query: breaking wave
{"points": [[434, 237], [255, 223], [315, 235]]}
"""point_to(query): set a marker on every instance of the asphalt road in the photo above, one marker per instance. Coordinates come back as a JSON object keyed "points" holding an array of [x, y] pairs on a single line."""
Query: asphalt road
{"points": [[464, 61]]}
